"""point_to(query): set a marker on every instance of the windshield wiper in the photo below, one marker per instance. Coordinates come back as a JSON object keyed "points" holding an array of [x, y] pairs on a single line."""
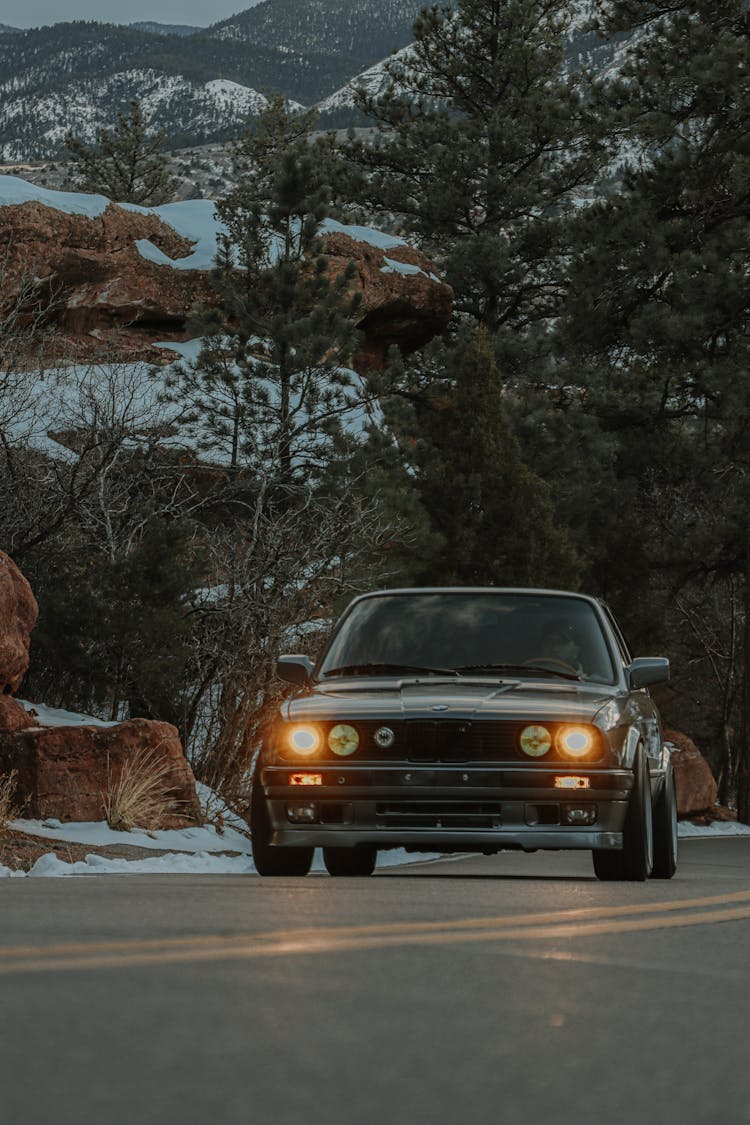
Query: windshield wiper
{"points": [[520, 668], [364, 669]]}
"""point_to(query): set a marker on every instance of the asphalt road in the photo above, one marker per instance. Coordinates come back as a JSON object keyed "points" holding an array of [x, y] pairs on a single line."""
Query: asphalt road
{"points": [[505, 989]]}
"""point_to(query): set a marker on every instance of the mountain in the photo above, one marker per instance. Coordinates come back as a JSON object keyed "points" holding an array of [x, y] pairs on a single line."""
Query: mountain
{"points": [[189, 111], [202, 84], [79, 75], [360, 32], [166, 28], [4, 29]]}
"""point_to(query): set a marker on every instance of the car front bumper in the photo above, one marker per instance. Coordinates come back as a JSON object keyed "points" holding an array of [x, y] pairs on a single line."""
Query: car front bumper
{"points": [[446, 808]]}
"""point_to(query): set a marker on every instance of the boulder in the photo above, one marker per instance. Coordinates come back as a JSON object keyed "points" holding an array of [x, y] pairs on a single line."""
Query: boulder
{"points": [[13, 716], [66, 772], [696, 787], [115, 293], [404, 302], [18, 614]]}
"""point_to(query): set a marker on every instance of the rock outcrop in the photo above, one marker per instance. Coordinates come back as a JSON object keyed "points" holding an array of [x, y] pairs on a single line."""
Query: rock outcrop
{"points": [[67, 772], [121, 280], [18, 614], [696, 787]]}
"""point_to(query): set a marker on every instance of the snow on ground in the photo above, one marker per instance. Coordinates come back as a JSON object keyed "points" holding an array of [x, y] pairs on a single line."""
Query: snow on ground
{"points": [[178, 863], [14, 191], [55, 717], [99, 834]]}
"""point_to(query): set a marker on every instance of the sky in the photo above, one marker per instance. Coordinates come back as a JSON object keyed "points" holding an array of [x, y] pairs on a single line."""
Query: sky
{"points": [[34, 13]]}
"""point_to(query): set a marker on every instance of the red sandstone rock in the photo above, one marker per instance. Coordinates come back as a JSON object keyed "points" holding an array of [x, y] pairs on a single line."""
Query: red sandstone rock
{"points": [[18, 614], [696, 787], [113, 304], [13, 715], [65, 772], [403, 309]]}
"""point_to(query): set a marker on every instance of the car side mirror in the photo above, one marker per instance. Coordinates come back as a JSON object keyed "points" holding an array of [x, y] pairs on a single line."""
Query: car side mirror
{"points": [[647, 670], [295, 669]]}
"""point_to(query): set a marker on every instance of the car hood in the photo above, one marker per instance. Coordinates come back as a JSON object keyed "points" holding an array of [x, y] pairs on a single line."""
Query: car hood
{"points": [[562, 701]]}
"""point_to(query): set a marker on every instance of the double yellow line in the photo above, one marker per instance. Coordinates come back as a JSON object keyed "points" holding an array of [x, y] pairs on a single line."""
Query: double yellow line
{"points": [[575, 923]]}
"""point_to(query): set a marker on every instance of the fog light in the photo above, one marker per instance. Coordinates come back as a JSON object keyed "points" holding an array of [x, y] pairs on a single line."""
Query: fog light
{"points": [[302, 814], [571, 782], [579, 814], [306, 779]]}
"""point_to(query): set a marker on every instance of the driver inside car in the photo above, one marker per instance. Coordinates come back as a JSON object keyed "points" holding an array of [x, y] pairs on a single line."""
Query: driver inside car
{"points": [[559, 643]]}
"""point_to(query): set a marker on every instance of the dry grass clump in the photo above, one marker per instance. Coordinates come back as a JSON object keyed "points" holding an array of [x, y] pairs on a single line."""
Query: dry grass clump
{"points": [[138, 798], [8, 809]]}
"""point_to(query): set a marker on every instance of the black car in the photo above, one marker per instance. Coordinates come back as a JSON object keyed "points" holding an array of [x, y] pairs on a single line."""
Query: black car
{"points": [[465, 719]]}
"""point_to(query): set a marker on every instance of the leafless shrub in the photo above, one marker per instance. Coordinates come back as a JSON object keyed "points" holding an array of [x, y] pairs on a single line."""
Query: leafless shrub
{"points": [[137, 797]]}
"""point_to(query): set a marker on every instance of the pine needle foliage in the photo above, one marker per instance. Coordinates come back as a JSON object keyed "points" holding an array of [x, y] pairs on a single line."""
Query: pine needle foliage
{"points": [[127, 164]]}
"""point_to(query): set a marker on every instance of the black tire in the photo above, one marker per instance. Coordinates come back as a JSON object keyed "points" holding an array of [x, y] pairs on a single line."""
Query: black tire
{"points": [[360, 860], [270, 860], [636, 860], [665, 829]]}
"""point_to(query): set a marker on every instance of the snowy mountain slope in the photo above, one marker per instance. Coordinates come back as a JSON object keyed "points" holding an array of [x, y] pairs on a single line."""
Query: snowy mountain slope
{"points": [[32, 127]]}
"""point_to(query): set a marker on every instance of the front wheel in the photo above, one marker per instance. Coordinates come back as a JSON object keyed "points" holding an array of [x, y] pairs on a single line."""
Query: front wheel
{"points": [[270, 860], [360, 860], [636, 860], [665, 829]]}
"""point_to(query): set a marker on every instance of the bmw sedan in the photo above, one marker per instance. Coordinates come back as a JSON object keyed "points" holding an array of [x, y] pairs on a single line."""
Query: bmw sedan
{"points": [[468, 720]]}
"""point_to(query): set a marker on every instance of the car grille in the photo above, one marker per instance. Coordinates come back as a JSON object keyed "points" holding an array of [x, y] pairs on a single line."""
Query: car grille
{"points": [[436, 741]]}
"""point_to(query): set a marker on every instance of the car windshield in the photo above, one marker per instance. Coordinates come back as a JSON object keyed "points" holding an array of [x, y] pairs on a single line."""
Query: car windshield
{"points": [[472, 634]]}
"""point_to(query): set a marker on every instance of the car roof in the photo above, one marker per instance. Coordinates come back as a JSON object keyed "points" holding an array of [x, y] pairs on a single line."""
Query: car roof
{"points": [[534, 591]]}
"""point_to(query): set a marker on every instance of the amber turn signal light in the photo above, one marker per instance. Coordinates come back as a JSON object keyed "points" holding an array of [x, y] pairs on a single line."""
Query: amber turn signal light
{"points": [[571, 782], [306, 779]]}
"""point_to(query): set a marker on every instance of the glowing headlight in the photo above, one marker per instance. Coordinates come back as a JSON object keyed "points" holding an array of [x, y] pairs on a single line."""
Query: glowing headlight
{"points": [[343, 740], [304, 740], [574, 742], [535, 741]]}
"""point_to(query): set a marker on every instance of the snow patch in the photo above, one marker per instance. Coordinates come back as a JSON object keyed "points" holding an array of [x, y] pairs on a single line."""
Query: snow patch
{"points": [[14, 191], [55, 717]]}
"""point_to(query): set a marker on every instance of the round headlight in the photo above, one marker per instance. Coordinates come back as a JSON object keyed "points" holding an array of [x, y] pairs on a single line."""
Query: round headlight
{"points": [[343, 740], [304, 740], [574, 742], [535, 741]]}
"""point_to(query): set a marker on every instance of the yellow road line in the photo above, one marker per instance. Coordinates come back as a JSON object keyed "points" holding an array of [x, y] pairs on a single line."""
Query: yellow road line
{"points": [[296, 943], [572, 915]]}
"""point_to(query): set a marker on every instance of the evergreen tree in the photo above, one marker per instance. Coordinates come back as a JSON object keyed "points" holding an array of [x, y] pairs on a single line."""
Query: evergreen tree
{"points": [[127, 164], [493, 514], [272, 392], [114, 632], [656, 325], [485, 139]]}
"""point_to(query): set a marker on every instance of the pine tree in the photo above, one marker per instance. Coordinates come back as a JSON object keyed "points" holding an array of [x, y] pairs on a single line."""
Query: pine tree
{"points": [[127, 164], [492, 513], [272, 391], [484, 141], [656, 324]]}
